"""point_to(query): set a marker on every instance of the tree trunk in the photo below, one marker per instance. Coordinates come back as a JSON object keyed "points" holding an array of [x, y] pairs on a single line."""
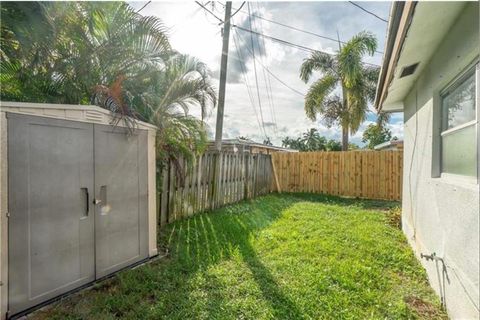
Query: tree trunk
{"points": [[344, 119], [344, 138]]}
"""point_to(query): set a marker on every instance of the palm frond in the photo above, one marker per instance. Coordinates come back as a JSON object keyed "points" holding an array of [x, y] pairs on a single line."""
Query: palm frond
{"points": [[116, 100], [317, 95], [351, 54], [318, 61], [362, 43], [357, 108], [383, 118], [185, 82], [108, 54]]}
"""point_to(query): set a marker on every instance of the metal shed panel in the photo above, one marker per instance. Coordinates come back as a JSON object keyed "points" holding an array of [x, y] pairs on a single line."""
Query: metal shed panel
{"points": [[51, 239], [121, 217]]}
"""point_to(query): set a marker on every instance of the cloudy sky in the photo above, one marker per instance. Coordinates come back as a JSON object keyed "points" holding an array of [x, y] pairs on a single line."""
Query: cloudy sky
{"points": [[194, 31]]}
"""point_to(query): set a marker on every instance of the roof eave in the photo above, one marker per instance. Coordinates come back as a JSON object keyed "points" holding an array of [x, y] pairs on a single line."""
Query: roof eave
{"points": [[401, 16]]}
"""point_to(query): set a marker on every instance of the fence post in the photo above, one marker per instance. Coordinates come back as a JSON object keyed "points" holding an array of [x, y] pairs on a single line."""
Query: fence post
{"points": [[245, 184], [171, 192], [164, 196], [275, 176]]}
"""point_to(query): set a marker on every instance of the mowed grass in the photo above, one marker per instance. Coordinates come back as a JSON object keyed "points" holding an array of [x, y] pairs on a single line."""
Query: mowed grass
{"points": [[289, 256]]}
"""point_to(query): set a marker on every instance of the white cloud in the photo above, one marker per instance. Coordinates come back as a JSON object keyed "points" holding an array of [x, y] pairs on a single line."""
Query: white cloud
{"points": [[195, 32]]}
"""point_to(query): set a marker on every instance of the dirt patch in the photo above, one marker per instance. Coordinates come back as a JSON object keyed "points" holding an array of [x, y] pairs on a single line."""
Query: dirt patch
{"points": [[394, 216], [424, 309]]}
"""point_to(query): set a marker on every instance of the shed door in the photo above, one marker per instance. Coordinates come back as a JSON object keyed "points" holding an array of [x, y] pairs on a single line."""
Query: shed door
{"points": [[121, 193], [50, 230]]}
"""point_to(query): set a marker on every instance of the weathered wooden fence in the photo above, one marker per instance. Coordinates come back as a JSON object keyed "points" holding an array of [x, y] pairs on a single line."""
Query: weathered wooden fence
{"points": [[216, 179], [363, 174]]}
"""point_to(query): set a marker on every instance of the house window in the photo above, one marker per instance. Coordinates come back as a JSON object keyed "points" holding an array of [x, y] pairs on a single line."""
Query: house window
{"points": [[459, 126]]}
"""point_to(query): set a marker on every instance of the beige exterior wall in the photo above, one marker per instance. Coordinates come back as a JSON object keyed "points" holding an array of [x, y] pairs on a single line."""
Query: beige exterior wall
{"points": [[152, 194], [441, 213], [3, 217], [90, 114]]}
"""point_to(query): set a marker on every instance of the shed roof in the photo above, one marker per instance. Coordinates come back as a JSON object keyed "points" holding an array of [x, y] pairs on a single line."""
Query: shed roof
{"points": [[82, 113]]}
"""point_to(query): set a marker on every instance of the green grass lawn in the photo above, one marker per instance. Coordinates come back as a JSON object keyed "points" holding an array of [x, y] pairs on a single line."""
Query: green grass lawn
{"points": [[289, 256]]}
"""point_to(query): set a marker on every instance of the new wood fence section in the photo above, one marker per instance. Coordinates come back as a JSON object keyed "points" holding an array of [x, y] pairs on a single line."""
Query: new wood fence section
{"points": [[363, 174], [240, 176]]}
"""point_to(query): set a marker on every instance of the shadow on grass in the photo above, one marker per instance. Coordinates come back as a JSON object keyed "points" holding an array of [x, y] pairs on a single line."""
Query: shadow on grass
{"points": [[342, 201], [206, 239], [169, 288]]}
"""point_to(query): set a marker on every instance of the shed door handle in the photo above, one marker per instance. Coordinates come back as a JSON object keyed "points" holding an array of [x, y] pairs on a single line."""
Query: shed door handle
{"points": [[87, 196]]}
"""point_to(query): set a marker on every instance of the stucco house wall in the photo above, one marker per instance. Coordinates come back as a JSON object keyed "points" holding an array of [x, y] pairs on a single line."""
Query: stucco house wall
{"points": [[441, 214]]}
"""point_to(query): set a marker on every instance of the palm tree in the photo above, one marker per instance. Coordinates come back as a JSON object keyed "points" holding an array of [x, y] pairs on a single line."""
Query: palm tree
{"points": [[313, 141], [346, 71], [107, 54], [63, 50], [184, 82]]}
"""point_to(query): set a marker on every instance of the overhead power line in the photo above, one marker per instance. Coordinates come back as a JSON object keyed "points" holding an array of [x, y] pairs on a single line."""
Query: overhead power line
{"points": [[285, 42], [266, 78], [290, 44], [146, 4], [275, 77], [236, 11], [369, 12], [255, 69], [245, 79], [209, 11], [297, 29]]}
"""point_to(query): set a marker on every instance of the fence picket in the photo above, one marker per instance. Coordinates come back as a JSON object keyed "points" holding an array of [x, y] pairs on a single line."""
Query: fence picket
{"points": [[363, 174], [217, 179]]}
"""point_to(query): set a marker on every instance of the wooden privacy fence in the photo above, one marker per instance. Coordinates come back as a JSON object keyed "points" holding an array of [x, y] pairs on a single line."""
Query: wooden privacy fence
{"points": [[216, 179], [363, 174]]}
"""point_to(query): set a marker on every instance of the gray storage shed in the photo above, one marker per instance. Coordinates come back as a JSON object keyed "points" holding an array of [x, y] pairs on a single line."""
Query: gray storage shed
{"points": [[77, 200]]}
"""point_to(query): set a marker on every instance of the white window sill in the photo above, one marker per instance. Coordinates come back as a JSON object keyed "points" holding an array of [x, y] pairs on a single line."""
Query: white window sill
{"points": [[457, 180]]}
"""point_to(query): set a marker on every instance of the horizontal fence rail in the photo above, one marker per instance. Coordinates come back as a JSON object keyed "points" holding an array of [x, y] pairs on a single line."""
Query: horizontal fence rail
{"points": [[362, 174], [214, 180]]}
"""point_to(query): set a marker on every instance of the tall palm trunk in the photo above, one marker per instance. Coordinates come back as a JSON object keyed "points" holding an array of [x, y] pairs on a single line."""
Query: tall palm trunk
{"points": [[345, 138], [344, 122]]}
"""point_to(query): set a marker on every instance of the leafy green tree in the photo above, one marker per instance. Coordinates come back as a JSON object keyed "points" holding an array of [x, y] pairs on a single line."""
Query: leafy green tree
{"points": [[183, 83], [311, 141], [294, 143], [376, 134], [60, 51], [333, 145], [353, 146], [107, 54], [347, 71]]}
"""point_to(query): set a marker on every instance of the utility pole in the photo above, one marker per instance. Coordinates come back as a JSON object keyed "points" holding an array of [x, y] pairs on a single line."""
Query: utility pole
{"points": [[223, 77]]}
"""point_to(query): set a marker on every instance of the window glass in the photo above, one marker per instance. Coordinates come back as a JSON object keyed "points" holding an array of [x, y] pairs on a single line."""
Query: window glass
{"points": [[459, 104], [459, 152]]}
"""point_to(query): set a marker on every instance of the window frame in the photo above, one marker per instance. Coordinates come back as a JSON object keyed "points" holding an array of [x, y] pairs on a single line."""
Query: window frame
{"points": [[455, 83]]}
